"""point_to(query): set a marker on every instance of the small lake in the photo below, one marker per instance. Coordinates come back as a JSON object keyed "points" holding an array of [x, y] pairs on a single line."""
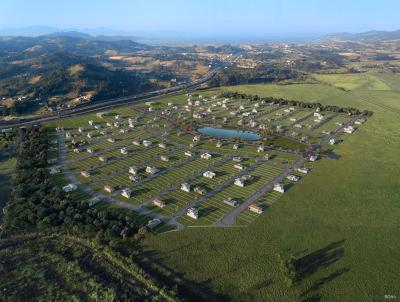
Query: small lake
{"points": [[227, 133]]}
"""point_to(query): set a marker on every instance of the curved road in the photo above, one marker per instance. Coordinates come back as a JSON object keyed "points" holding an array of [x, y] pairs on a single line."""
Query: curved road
{"points": [[84, 109]]}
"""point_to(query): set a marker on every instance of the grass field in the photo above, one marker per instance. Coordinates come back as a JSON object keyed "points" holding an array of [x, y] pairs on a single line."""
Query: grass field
{"points": [[341, 222]]}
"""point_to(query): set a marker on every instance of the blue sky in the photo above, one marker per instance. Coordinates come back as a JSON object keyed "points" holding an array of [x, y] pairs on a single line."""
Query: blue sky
{"points": [[206, 16]]}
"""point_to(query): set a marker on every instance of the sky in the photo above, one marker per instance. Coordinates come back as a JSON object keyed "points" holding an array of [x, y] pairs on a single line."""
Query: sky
{"points": [[206, 17]]}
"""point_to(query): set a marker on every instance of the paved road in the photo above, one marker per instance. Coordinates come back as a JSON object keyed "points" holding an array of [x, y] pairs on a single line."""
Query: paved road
{"points": [[122, 101], [230, 218]]}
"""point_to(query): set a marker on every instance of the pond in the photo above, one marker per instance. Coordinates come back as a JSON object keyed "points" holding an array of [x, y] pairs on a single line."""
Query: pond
{"points": [[228, 133]]}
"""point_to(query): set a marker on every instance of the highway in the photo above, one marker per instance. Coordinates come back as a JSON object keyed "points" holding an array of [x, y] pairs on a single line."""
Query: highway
{"points": [[107, 104]]}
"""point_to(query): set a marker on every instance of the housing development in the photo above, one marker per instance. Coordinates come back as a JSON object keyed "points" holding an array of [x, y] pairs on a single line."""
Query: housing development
{"points": [[179, 162]]}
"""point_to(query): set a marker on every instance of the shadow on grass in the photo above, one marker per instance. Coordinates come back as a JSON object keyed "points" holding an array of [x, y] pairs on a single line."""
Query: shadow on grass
{"points": [[191, 291], [311, 263]]}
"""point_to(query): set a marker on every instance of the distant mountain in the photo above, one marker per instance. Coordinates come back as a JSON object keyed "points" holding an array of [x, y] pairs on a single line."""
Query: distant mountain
{"points": [[369, 35], [74, 42]]}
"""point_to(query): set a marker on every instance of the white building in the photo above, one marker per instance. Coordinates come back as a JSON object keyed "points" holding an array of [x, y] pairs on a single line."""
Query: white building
{"points": [[209, 174], [293, 177], [349, 129], [146, 143], [236, 146], [102, 159], [136, 143], [303, 170], [153, 223], [89, 135], [238, 166], [241, 181], [260, 148], [91, 122], [111, 140], [164, 158], [218, 144], [185, 187], [81, 129], [188, 153], [126, 192], [85, 174], [313, 157], [196, 139], [206, 156], [237, 159], [69, 188], [151, 170], [193, 213], [332, 141], [162, 145], [108, 188], [124, 151], [279, 188], [255, 208], [89, 150], [231, 202], [54, 170], [133, 170]]}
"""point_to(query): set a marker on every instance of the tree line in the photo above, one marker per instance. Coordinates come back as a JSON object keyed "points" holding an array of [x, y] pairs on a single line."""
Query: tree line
{"points": [[37, 203], [302, 104]]}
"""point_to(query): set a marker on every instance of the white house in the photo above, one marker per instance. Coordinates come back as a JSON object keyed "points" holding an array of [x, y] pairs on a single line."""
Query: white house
{"points": [[89, 150], [193, 213], [241, 181], [188, 153], [69, 188], [108, 188], [196, 139], [89, 135], [293, 177], [255, 208], [133, 170], [124, 151], [146, 143], [162, 145], [91, 122], [136, 143], [153, 223], [236, 146], [260, 148], [313, 157], [158, 203], [164, 158], [218, 144], [349, 129], [54, 170], [111, 140], [206, 156], [134, 178], [67, 134], [238, 166], [76, 150], [303, 170], [126, 192], [81, 129], [231, 202], [185, 187], [102, 159], [237, 159], [332, 141], [85, 174], [151, 170], [209, 174], [199, 190], [279, 188]]}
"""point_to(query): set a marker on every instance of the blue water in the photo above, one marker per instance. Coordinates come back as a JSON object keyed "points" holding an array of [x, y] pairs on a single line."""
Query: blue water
{"points": [[226, 133]]}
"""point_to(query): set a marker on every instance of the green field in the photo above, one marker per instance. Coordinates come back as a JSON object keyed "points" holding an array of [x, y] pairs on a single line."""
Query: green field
{"points": [[341, 222]]}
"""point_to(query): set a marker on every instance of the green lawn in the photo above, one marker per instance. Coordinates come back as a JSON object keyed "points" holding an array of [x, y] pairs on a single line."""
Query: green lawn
{"points": [[341, 219]]}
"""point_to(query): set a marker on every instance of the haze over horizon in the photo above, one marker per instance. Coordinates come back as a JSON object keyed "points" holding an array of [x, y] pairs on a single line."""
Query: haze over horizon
{"points": [[251, 20]]}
